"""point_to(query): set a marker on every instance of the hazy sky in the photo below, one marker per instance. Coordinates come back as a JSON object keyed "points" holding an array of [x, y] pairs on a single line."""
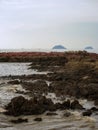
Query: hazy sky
{"points": [[44, 23]]}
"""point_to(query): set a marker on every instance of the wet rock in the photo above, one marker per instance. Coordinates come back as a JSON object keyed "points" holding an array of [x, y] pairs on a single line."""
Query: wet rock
{"points": [[88, 90], [75, 105], [93, 109], [51, 114], [96, 102], [47, 104], [19, 120], [58, 105], [67, 114], [38, 119], [63, 88], [35, 106], [14, 107], [66, 104], [14, 82], [87, 113], [38, 86]]}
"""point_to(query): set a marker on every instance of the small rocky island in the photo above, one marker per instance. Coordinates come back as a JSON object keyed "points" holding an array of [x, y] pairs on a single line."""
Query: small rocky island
{"points": [[58, 47], [89, 48]]}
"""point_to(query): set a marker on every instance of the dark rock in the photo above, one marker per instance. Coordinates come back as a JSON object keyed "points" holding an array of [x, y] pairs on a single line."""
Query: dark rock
{"points": [[45, 63], [14, 82], [75, 105], [58, 105], [47, 104], [63, 88], [51, 114], [39, 86], [93, 109], [21, 106], [87, 113], [14, 107], [66, 104], [19, 120], [67, 114], [96, 102], [38, 119]]}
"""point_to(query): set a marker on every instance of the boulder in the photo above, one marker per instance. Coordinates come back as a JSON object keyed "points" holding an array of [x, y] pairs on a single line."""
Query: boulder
{"points": [[14, 107], [76, 105], [35, 106], [66, 104], [87, 113]]}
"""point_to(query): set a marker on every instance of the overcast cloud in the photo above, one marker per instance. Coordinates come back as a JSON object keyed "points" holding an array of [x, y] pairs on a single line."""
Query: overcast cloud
{"points": [[44, 23]]}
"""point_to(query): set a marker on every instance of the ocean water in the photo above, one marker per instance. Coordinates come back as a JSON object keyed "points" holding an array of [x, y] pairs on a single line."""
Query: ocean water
{"points": [[7, 69], [95, 50]]}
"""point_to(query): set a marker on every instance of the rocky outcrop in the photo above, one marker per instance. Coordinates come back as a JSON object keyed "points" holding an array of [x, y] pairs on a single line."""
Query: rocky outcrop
{"points": [[37, 105], [48, 63], [38, 86], [21, 106]]}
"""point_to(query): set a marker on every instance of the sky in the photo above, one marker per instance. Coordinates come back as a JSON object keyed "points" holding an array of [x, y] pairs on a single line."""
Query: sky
{"points": [[45, 23]]}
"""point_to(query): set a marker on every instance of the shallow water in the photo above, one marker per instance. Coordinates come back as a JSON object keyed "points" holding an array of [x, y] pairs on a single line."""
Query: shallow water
{"points": [[75, 122], [59, 122], [7, 69]]}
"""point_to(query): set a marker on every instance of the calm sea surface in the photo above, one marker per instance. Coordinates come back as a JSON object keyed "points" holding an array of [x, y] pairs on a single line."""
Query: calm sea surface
{"points": [[7, 69]]}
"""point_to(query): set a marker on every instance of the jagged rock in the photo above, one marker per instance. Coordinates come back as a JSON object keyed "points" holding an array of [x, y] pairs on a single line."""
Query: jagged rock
{"points": [[75, 105], [21, 106]]}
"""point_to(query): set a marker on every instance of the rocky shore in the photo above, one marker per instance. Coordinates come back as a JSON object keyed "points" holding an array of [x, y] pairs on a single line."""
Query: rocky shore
{"points": [[71, 77]]}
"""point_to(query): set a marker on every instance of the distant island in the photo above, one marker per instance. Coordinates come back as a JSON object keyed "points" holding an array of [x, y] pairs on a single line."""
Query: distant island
{"points": [[89, 48], [58, 47]]}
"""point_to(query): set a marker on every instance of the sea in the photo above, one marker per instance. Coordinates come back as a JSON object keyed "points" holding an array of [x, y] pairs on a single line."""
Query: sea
{"points": [[49, 50]]}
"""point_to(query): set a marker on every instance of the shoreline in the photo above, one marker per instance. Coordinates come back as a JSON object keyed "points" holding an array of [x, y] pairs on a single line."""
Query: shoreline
{"points": [[74, 80]]}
